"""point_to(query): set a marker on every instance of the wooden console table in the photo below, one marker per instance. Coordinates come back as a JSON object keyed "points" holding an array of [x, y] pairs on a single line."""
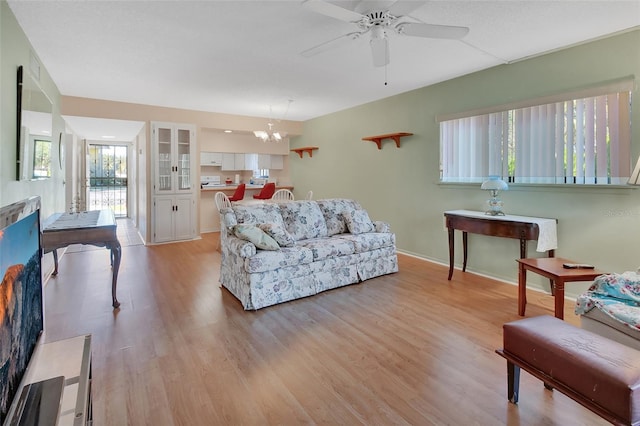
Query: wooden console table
{"points": [[96, 228], [522, 228]]}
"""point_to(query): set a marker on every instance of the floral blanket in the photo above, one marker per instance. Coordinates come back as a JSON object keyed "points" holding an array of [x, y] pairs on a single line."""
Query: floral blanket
{"points": [[617, 295]]}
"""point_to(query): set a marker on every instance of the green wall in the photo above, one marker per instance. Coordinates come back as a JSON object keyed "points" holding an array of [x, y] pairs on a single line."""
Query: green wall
{"points": [[16, 50], [596, 225]]}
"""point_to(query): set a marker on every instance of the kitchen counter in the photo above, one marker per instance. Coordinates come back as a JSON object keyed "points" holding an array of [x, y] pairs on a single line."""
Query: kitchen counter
{"points": [[231, 188], [209, 217]]}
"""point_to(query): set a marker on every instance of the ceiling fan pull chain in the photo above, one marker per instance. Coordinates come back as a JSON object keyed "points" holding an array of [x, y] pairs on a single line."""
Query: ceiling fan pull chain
{"points": [[386, 64]]}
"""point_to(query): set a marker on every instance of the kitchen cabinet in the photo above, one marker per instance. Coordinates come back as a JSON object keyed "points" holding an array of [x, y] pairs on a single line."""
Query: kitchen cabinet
{"points": [[243, 161], [210, 158], [173, 218], [173, 158], [277, 162], [228, 161], [270, 161], [264, 161], [250, 161], [239, 161]]}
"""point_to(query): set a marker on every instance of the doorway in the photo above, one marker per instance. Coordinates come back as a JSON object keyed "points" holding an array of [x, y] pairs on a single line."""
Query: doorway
{"points": [[108, 186]]}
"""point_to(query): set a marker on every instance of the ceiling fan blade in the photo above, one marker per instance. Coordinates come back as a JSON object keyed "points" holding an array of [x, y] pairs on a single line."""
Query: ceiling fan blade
{"points": [[379, 51], [431, 31], [331, 44], [404, 7], [331, 10]]}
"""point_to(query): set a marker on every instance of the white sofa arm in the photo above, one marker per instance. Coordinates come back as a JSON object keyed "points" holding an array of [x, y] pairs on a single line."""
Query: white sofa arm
{"points": [[382, 226], [240, 247]]}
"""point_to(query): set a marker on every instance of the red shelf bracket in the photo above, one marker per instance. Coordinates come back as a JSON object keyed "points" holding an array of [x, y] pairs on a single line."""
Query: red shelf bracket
{"points": [[307, 149], [378, 139]]}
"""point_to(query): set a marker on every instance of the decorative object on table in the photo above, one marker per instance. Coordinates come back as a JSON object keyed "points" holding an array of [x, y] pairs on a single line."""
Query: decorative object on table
{"points": [[494, 184]]}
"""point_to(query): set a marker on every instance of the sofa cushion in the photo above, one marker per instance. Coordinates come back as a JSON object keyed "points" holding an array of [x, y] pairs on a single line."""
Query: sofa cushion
{"points": [[323, 248], [257, 236], [255, 214], [370, 241], [303, 219], [333, 210], [270, 260], [278, 233], [358, 222]]}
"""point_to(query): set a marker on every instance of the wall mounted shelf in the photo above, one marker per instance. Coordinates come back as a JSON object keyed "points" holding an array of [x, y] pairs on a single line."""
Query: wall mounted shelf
{"points": [[307, 149], [378, 139]]}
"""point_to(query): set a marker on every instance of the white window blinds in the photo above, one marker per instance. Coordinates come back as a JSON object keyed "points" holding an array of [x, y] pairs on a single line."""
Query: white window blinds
{"points": [[584, 140]]}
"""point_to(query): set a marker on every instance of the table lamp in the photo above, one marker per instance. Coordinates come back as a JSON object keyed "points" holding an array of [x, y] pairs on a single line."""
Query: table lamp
{"points": [[494, 184]]}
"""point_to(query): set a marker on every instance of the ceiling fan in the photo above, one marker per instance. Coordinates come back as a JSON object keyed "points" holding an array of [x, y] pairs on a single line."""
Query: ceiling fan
{"points": [[379, 22]]}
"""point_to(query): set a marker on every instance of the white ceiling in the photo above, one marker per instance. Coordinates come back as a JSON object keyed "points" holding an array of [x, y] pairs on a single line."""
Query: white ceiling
{"points": [[243, 57]]}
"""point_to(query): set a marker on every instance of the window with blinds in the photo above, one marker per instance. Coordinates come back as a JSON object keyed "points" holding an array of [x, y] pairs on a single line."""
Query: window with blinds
{"points": [[581, 140]]}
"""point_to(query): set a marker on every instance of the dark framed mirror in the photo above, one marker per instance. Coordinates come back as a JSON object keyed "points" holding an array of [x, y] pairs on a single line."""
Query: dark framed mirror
{"points": [[19, 121], [34, 125]]}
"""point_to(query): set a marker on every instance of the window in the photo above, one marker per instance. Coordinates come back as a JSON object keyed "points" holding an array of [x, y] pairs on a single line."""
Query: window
{"points": [[577, 140], [261, 173], [41, 159]]}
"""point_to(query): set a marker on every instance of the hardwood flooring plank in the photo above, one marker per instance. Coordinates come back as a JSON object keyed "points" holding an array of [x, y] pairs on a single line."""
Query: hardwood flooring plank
{"points": [[410, 348]]}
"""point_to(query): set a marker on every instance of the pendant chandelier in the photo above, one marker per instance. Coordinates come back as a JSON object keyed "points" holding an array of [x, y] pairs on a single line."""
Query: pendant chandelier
{"points": [[269, 135]]}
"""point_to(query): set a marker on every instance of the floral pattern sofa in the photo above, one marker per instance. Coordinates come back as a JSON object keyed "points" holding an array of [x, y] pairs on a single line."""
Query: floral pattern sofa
{"points": [[611, 307], [276, 252]]}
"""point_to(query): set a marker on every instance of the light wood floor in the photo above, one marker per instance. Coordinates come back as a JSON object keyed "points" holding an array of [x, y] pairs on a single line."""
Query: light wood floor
{"points": [[408, 348]]}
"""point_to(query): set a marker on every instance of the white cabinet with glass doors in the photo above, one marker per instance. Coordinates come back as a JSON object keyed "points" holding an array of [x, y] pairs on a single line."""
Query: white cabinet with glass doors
{"points": [[174, 158], [173, 150]]}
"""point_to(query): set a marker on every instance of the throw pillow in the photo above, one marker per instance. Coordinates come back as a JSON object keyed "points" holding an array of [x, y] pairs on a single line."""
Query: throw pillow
{"points": [[358, 222], [255, 235], [278, 233]]}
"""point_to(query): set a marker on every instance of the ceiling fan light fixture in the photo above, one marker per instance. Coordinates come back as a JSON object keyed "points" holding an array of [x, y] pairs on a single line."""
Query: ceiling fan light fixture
{"points": [[378, 33]]}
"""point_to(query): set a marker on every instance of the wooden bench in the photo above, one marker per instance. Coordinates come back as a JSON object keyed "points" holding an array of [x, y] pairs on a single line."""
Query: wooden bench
{"points": [[600, 374]]}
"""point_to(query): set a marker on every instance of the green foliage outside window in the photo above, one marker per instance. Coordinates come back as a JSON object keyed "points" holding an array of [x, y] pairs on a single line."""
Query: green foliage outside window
{"points": [[41, 159]]}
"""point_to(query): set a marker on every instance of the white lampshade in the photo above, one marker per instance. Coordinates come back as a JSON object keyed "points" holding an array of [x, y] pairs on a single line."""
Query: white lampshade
{"points": [[494, 183]]}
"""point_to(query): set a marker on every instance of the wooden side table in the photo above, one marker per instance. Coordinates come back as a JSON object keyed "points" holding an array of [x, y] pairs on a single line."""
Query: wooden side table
{"points": [[551, 267]]}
